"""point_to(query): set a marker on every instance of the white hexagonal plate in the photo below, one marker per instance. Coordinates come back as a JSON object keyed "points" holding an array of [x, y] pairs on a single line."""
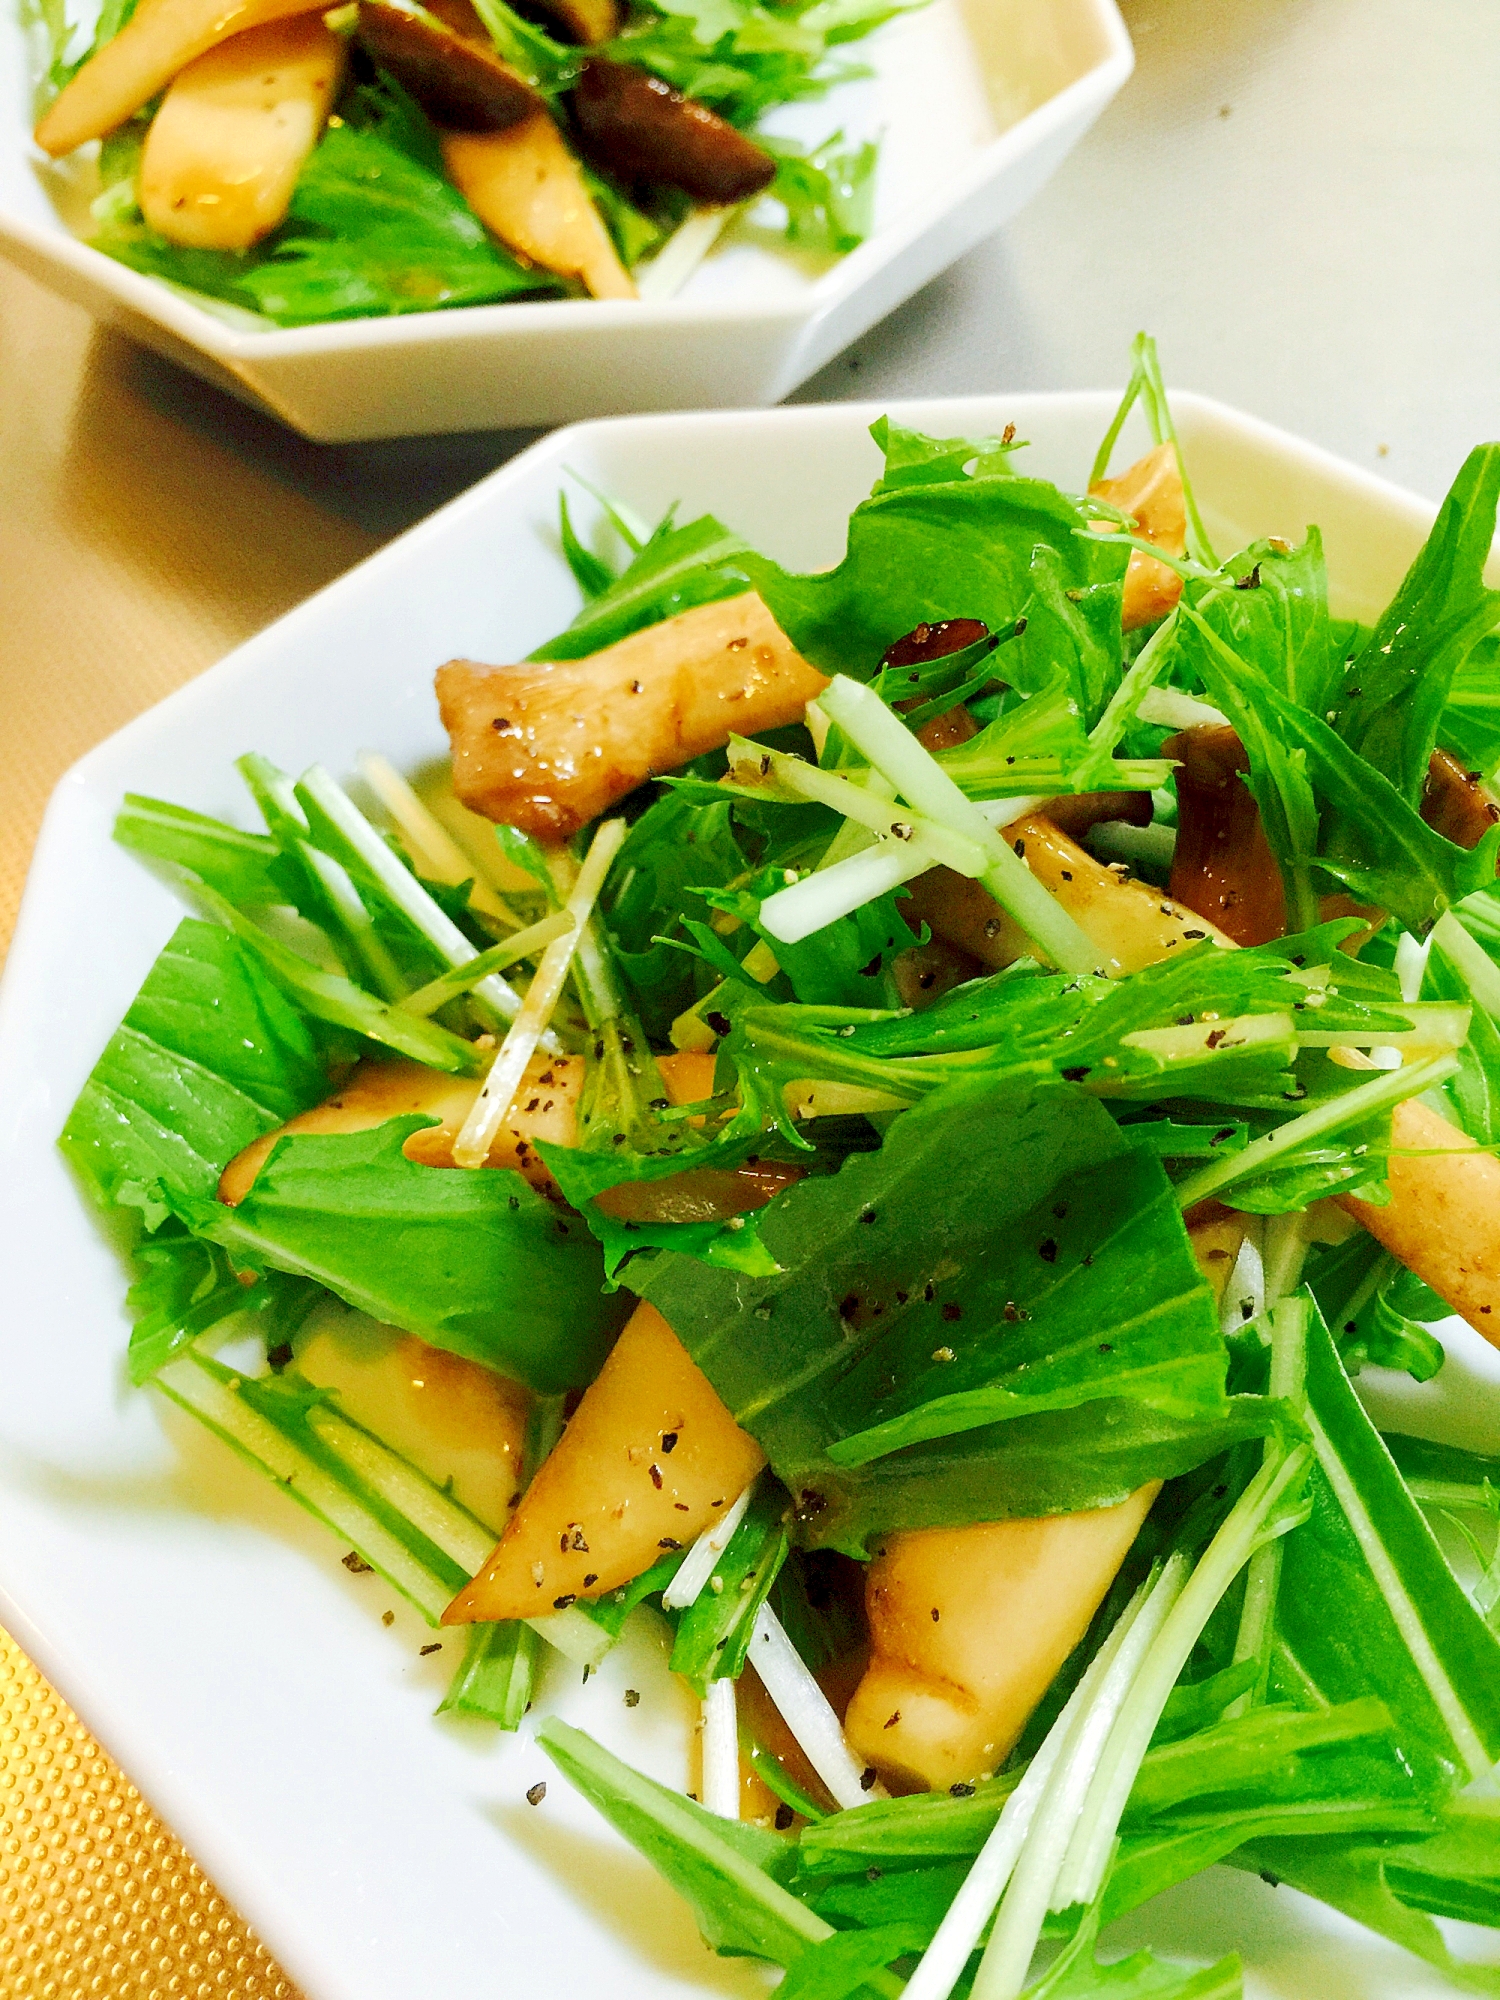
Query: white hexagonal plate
{"points": [[975, 102], [202, 1625]]}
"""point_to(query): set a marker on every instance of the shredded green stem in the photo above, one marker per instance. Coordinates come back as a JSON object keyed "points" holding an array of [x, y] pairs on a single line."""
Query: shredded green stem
{"points": [[890, 747], [464, 978], [1366, 1100]]}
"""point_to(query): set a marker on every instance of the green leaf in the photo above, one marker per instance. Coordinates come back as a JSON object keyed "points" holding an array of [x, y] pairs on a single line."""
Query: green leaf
{"points": [[1100, 1270], [375, 228], [731, 1245], [1058, 1462], [677, 569], [208, 1057], [1148, 387], [328, 996], [548, 66], [1442, 1474], [1160, 1853], [1374, 1307], [895, 1241], [1473, 1092], [1278, 617], [1351, 1877], [1252, 1775], [1072, 635], [1456, 1872], [845, 964], [590, 572], [922, 552], [676, 846], [1368, 1604], [1077, 1975], [902, 1235], [1278, 778], [1470, 725], [841, 1964], [183, 1288], [635, 236], [713, 1633], [920, 1896], [1205, 1023], [495, 1677], [610, 1612], [828, 191], [1271, 1753], [912, 458], [476, 1263], [239, 865], [727, 1869], [1386, 854], [1394, 692]]}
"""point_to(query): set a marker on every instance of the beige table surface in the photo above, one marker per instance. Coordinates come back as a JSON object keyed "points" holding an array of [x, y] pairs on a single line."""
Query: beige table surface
{"points": [[1297, 196]]}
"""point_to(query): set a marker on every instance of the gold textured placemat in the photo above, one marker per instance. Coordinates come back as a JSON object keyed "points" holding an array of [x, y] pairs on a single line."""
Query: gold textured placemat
{"points": [[96, 1896], [147, 525]]}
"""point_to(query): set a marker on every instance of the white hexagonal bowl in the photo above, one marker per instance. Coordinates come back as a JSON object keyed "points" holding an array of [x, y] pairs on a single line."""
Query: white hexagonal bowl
{"points": [[975, 102], [202, 1626]]}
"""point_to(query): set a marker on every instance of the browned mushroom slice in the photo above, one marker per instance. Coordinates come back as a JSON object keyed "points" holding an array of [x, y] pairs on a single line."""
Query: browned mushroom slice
{"points": [[1223, 866], [548, 746], [1075, 813], [937, 642], [641, 129], [928, 971], [459, 82], [1150, 492], [1455, 803]]}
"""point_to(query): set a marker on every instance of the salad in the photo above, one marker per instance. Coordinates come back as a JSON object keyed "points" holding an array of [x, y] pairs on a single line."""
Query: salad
{"points": [[876, 1124], [304, 163]]}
